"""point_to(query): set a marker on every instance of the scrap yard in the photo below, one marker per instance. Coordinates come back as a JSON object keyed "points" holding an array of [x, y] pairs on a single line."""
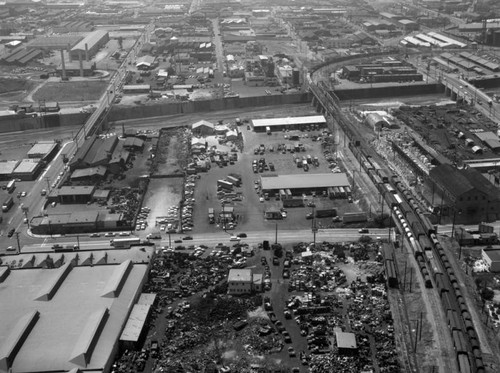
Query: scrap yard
{"points": [[235, 187]]}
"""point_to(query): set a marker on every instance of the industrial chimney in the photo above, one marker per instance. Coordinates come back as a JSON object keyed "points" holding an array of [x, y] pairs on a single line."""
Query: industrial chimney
{"points": [[81, 62], [86, 52], [63, 66]]}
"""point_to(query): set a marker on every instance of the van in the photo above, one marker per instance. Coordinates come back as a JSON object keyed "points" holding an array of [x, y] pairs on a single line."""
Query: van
{"points": [[53, 204]]}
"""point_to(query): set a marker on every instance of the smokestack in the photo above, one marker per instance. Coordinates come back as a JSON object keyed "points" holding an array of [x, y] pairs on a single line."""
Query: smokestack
{"points": [[86, 52], [69, 53], [63, 66], [81, 63]]}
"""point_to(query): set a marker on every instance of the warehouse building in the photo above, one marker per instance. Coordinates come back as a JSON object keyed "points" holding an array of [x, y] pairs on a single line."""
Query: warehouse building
{"points": [[28, 169], [135, 331], [7, 168], [346, 343], [491, 258], [89, 174], [90, 44], [79, 222], [292, 123], [50, 43], [299, 184], [75, 194], [68, 318], [94, 152], [45, 150], [468, 191]]}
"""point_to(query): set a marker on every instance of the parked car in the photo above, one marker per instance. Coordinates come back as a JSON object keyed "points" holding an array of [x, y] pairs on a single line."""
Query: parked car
{"points": [[11, 232], [364, 230], [187, 238]]}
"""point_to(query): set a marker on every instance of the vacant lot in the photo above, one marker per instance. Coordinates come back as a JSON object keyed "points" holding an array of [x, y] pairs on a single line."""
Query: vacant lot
{"points": [[14, 85], [70, 91]]}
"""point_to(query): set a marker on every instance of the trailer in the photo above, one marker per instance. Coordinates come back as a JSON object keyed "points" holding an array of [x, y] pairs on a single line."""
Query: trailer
{"points": [[125, 243], [233, 180], [326, 213], [224, 184], [354, 217]]}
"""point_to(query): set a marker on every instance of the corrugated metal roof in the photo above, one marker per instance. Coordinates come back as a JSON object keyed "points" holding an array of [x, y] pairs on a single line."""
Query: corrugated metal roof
{"points": [[304, 181], [313, 119], [91, 39]]}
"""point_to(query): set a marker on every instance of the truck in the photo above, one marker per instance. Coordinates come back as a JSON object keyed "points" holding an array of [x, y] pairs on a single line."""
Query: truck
{"points": [[211, 215], [11, 186], [268, 130], [7, 204], [125, 243]]}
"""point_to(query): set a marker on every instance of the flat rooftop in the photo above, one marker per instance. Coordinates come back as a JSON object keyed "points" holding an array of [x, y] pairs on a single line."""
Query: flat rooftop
{"points": [[269, 122], [57, 332], [304, 181]]}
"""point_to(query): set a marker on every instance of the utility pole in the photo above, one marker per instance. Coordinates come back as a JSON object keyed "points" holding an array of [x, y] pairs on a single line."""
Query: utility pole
{"points": [[18, 243], [47, 179], [276, 234]]}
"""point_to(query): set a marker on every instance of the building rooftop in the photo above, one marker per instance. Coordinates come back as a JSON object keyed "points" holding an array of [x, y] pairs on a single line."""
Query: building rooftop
{"points": [[312, 119], [41, 149], [346, 340], [493, 254], [83, 190], [7, 167], [244, 275], [76, 328], [90, 39], [27, 166], [135, 323], [299, 181]]}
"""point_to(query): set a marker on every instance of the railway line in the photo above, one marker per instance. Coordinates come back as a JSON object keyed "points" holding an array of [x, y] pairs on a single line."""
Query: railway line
{"points": [[435, 269]]}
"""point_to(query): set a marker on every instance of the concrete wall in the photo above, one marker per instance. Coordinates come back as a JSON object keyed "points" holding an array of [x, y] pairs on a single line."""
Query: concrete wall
{"points": [[27, 122], [389, 91], [122, 113]]}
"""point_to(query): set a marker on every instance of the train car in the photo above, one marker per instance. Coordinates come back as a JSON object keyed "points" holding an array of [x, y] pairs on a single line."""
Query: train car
{"points": [[447, 302], [418, 230], [398, 199], [392, 277], [389, 188], [428, 226], [453, 320], [383, 175], [459, 342], [374, 164], [391, 200], [434, 239], [463, 363], [425, 243], [366, 165], [441, 285]]}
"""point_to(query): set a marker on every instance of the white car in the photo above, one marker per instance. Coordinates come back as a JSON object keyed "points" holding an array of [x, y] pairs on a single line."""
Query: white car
{"points": [[162, 227], [124, 233], [23, 194], [234, 238], [261, 199]]}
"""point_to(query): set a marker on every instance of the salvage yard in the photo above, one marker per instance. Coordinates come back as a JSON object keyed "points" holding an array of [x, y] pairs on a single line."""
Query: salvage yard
{"points": [[304, 322]]}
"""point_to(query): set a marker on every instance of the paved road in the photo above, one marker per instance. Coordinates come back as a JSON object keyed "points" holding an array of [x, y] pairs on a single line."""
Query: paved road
{"points": [[212, 239]]}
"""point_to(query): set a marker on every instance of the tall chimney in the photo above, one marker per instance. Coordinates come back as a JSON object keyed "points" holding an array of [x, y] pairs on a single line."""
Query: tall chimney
{"points": [[86, 52], [63, 66], [69, 53], [81, 63]]}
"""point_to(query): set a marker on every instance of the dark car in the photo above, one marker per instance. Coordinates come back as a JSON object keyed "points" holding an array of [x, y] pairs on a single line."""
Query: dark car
{"points": [[177, 241], [11, 232], [242, 235], [187, 238]]}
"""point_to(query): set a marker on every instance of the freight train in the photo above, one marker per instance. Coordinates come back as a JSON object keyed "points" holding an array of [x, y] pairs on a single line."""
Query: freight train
{"points": [[432, 260]]}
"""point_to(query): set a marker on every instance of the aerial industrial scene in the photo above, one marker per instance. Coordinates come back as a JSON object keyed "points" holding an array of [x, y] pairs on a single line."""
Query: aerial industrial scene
{"points": [[230, 186]]}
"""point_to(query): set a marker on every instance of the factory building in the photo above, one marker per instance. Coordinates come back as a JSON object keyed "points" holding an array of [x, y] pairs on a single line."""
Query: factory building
{"points": [[28, 169], [299, 184], [292, 123], [45, 328], [492, 259], [90, 44]]}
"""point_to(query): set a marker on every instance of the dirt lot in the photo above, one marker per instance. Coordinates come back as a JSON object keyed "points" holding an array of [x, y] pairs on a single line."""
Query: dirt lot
{"points": [[70, 91]]}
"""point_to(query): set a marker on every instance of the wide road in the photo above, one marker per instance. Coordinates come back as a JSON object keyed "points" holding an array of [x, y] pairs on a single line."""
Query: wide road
{"points": [[212, 239]]}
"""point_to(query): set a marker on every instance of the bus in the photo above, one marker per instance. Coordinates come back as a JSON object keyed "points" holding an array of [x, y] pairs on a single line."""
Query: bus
{"points": [[8, 203], [11, 186]]}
